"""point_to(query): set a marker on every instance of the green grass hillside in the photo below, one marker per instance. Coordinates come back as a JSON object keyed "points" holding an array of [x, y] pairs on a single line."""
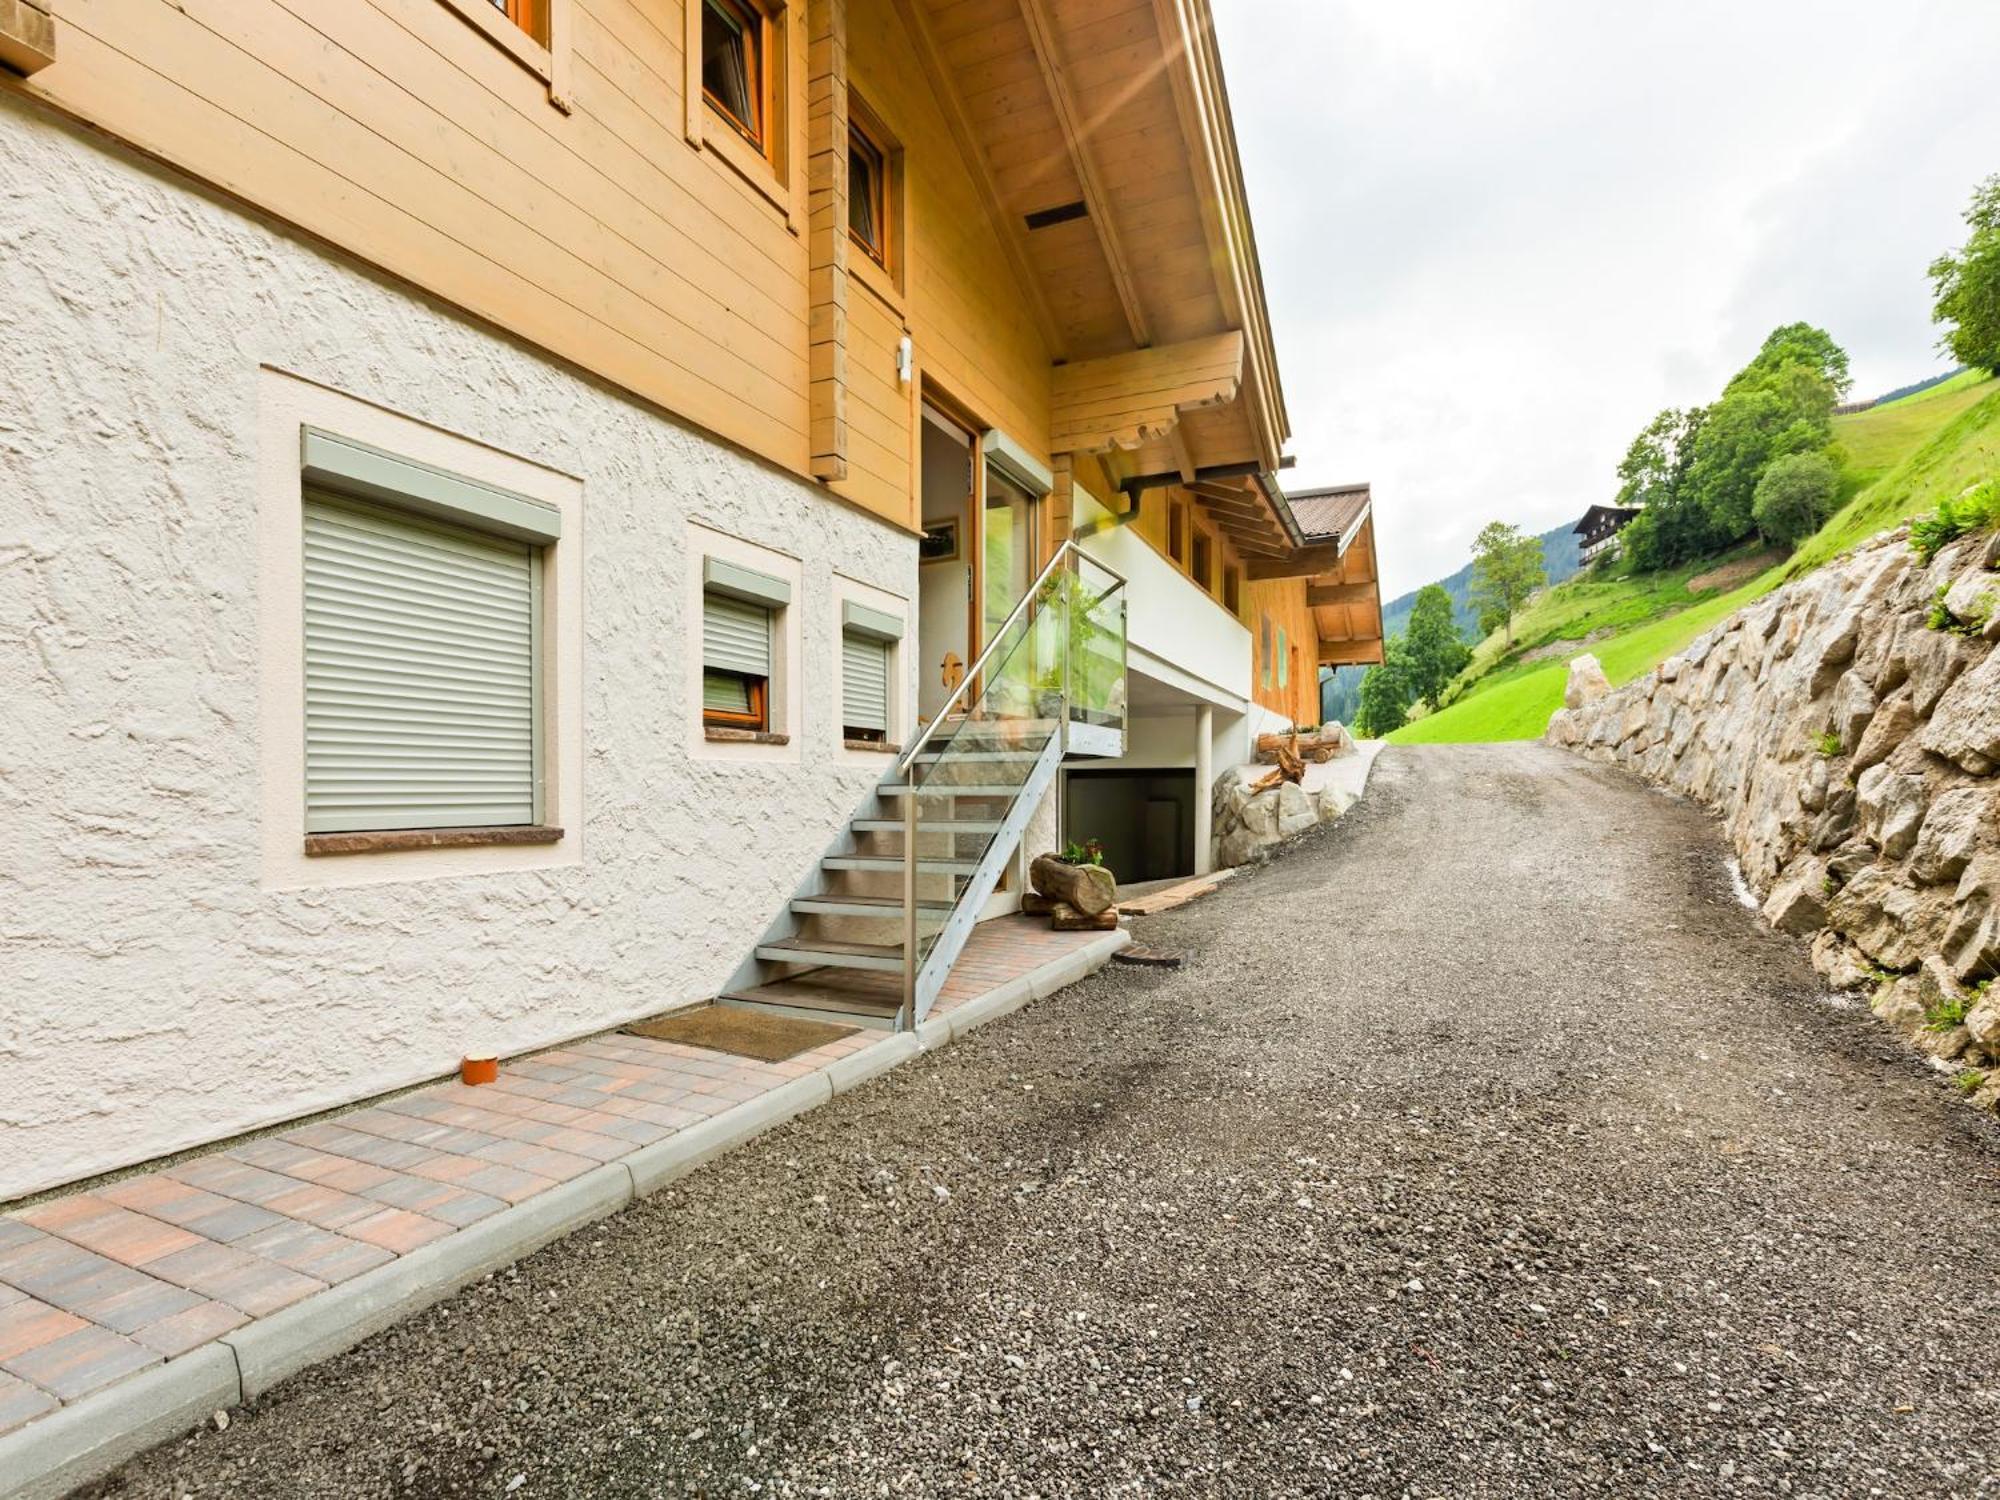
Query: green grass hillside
{"points": [[1902, 458]]}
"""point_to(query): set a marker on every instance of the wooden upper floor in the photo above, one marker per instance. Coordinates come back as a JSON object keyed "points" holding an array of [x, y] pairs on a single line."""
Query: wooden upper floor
{"points": [[739, 210]]}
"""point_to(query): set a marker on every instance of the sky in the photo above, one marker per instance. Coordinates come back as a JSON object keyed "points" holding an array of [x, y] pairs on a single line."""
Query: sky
{"points": [[1497, 237]]}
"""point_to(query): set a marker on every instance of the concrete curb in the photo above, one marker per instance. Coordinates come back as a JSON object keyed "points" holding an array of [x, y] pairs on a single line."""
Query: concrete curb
{"points": [[653, 1167], [90, 1437], [857, 1068], [87, 1439]]}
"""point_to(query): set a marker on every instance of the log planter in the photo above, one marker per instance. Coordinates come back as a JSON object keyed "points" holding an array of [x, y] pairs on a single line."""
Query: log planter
{"points": [[1089, 889]]}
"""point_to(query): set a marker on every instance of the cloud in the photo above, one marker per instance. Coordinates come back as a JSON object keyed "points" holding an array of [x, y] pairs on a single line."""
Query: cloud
{"points": [[1497, 238]]}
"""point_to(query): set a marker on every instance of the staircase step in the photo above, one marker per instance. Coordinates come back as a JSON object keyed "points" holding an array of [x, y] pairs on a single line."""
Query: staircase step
{"points": [[879, 862], [940, 789], [866, 906], [961, 754], [883, 958], [859, 999], [928, 825]]}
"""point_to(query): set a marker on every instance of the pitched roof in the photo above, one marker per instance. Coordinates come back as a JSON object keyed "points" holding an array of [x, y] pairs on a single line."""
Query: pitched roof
{"points": [[1601, 515], [1331, 512]]}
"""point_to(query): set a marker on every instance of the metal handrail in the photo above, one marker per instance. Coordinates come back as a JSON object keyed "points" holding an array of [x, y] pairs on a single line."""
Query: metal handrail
{"points": [[993, 644]]}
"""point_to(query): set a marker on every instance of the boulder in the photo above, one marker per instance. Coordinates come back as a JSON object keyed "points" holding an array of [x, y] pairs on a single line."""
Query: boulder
{"points": [[1937, 658], [1295, 810], [1900, 1003], [1797, 903], [1565, 727], [1952, 832], [1983, 1020], [1971, 941], [1239, 848], [1835, 822], [1973, 601], [1849, 860], [1888, 727], [1812, 786], [1832, 650], [1853, 706], [1842, 965], [1893, 923], [1965, 725], [1587, 682], [1891, 809]]}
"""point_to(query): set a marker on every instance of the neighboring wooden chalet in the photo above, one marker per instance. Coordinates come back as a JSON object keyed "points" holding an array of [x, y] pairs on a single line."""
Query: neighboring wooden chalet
{"points": [[1599, 530], [513, 481]]}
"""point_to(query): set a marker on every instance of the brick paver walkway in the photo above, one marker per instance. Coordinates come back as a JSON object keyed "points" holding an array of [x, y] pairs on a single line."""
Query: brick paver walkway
{"points": [[97, 1285]]}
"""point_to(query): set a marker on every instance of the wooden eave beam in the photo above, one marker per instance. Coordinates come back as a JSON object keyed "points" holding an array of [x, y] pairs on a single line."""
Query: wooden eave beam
{"points": [[1356, 653], [1125, 400], [1007, 227], [27, 36], [1326, 595], [1076, 133], [1305, 562]]}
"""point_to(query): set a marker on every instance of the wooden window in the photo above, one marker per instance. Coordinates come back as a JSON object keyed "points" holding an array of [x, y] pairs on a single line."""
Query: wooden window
{"points": [[532, 16], [1284, 661], [735, 663], [867, 193], [864, 686], [734, 49], [1201, 562], [1177, 528], [1232, 588], [422, 668]]}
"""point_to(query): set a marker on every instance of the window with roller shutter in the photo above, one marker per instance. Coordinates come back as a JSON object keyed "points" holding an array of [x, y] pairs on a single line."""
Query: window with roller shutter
{"points": [[422, 652], [739, 609], [867, 660]]}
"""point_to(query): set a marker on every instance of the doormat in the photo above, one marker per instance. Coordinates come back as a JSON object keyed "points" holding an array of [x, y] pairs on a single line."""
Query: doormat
{"points": [[741, 1033]]}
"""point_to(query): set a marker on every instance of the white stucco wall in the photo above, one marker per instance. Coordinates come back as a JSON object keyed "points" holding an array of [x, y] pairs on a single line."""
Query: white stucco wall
{"points": [[155, 990]]}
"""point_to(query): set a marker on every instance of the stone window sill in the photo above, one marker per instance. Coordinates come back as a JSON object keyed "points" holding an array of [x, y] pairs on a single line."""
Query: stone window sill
{"points": [[725, 736], [387, 840], [877, 747]]}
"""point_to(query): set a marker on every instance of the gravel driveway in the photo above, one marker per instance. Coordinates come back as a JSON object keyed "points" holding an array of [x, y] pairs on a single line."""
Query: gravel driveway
{"points": [[1485, 1146]]}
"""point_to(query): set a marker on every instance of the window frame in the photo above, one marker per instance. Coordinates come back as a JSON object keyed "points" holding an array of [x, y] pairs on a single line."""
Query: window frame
{"points": [[756, 26], [1232, 588], [542, 48], [766, 170], [884, 277], [861, 142], [757, 719], [723, 563]]}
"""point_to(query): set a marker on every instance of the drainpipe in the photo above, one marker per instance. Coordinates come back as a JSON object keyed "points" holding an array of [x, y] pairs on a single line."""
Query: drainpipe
{"points": [[1204, 787]]}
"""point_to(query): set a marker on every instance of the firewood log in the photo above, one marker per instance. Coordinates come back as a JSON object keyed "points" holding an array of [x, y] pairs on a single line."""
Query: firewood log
{"points": [[1089, 888], [1066, 918]]}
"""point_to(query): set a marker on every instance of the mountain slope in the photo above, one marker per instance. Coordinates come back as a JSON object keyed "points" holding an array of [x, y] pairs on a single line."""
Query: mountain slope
{"points": [[1559, 549]]}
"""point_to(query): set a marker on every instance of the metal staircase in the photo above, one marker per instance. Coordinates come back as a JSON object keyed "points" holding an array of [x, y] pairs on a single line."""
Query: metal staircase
{"points": [[874, 929]]}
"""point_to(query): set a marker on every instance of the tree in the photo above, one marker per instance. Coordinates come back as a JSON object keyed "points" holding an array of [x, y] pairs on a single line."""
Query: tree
{"points": [[1506, 568], [1779, 404], [1434, 650], [1966, 285], [1671, 527], [1385, 693], [1795, 496]]}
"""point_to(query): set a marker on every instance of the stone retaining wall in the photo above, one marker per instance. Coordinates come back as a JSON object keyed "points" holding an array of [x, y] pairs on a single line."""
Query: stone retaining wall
{"points": [[1847, 729]]}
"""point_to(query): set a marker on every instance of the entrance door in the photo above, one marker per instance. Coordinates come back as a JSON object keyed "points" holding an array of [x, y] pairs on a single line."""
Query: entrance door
{"points": [[1007, 554], [945, 646]]}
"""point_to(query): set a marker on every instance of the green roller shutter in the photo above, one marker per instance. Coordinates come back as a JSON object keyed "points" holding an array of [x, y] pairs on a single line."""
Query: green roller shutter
{"points": [[421, 654], [735, 636], [864, 682]]}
